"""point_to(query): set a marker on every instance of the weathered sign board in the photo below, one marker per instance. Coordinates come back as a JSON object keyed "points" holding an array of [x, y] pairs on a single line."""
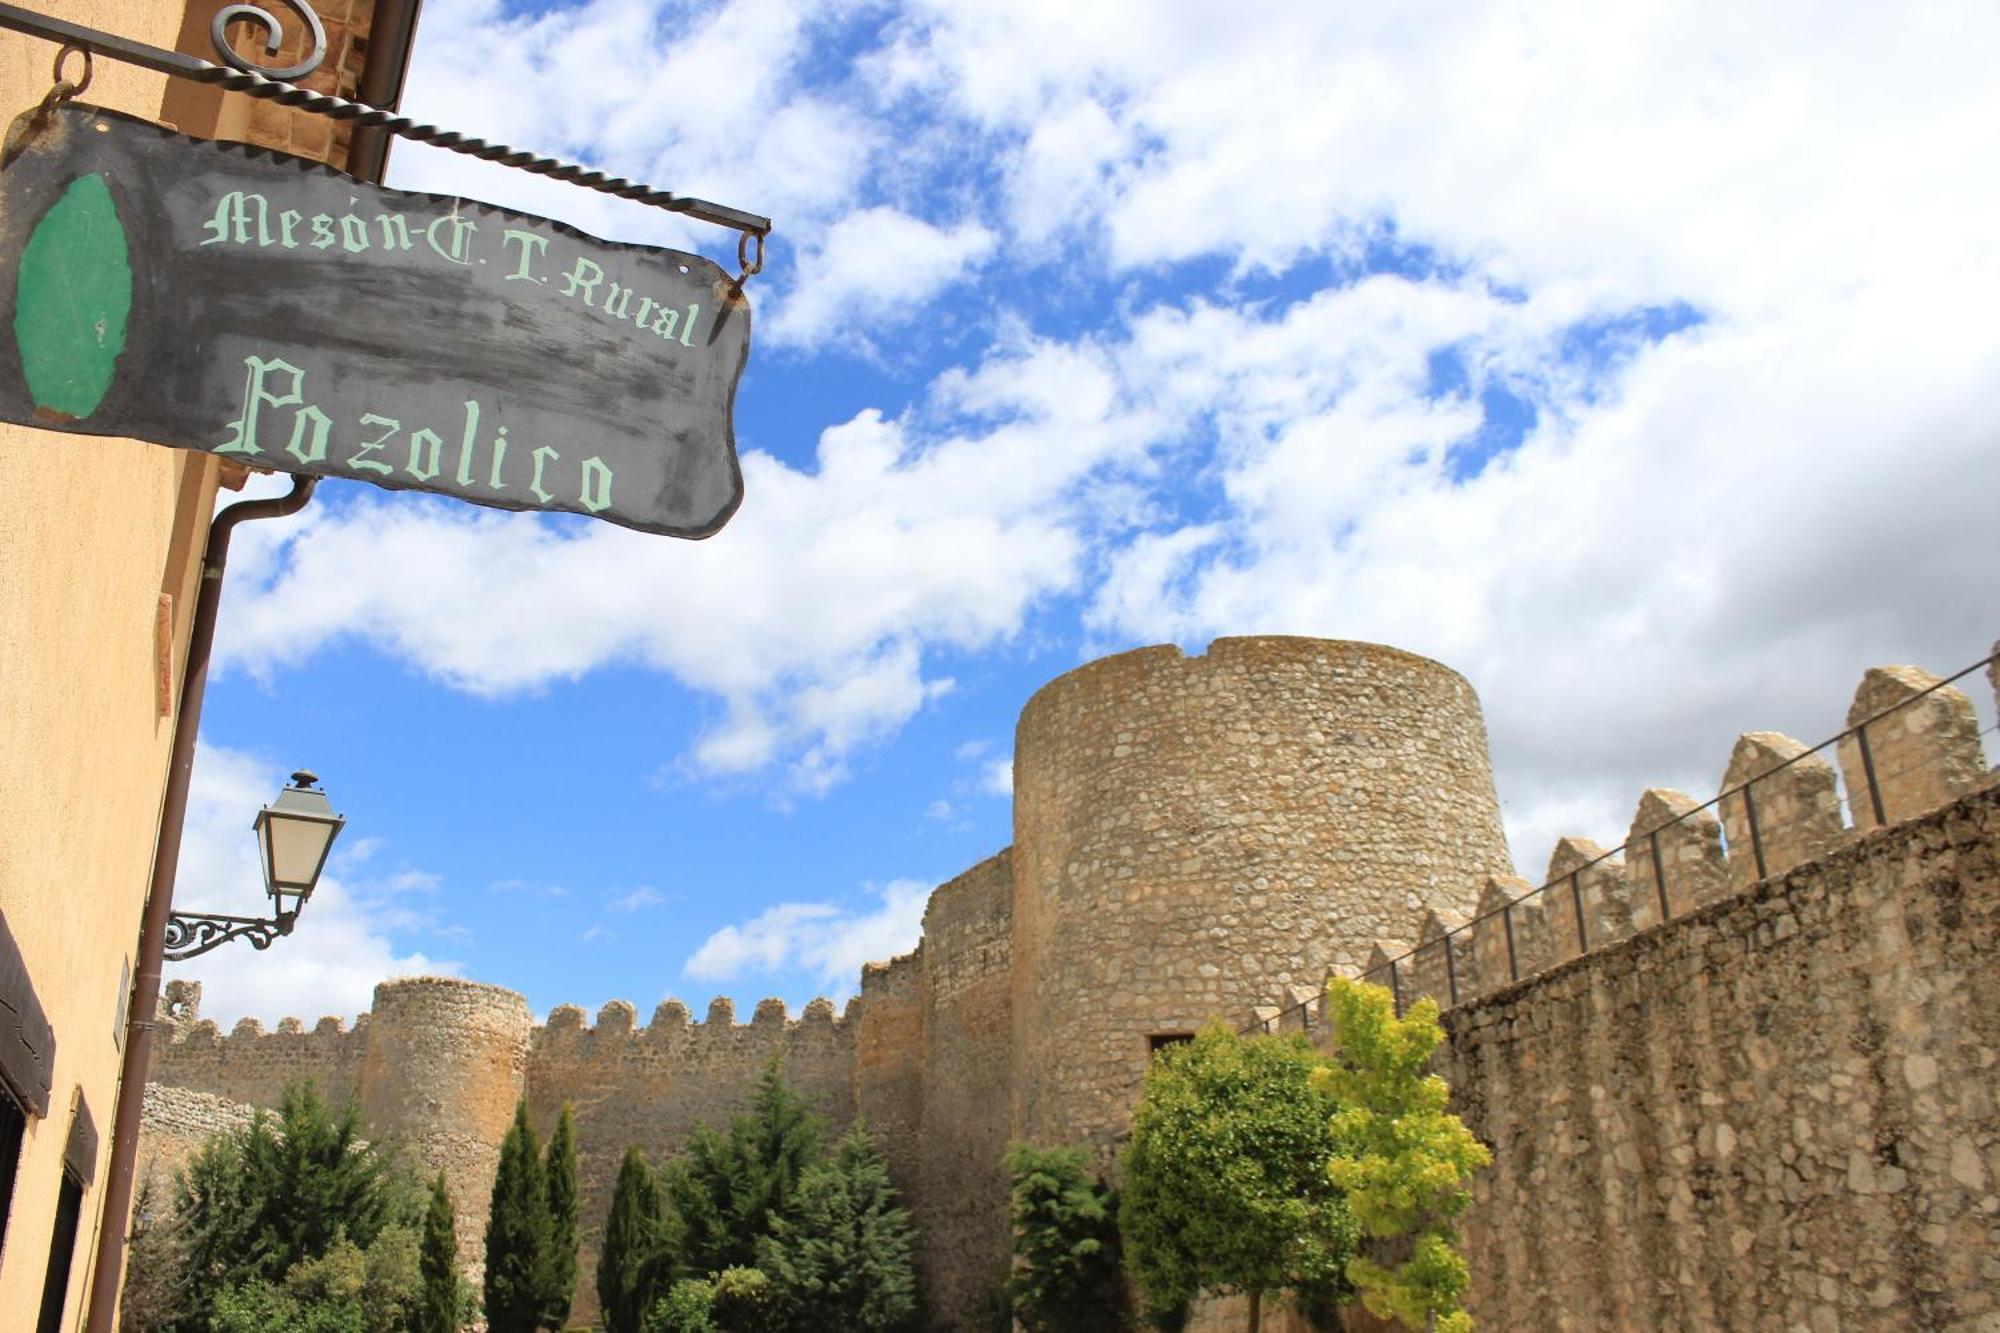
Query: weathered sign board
{"points": [[271, 310]]}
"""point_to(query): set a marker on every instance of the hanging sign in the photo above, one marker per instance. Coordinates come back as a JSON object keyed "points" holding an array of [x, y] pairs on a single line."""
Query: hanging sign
{"points": [[271, 310]]}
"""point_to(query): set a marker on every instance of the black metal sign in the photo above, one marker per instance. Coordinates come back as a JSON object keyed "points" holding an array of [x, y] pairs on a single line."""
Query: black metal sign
{"points": [[271, 310]]}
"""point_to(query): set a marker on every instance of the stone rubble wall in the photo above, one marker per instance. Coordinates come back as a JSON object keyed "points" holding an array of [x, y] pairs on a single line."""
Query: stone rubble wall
{"points": [[174, 1124], [958, 1196], [253, 1066], [1191, 832], [650, 1087], [1781, 1111]]}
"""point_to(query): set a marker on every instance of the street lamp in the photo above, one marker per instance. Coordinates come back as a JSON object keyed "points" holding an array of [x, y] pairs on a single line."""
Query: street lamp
{"points": [[294, 835]]}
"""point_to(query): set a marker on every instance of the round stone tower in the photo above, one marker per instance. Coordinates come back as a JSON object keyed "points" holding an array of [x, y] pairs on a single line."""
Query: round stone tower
{"points": [[446, 1062], [1193, 834]]}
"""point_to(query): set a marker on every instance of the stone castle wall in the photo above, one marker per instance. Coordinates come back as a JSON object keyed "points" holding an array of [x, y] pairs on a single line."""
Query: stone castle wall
{"points": [[967, 995], [1196, 834], [1782, 1111], [1190, 832]]}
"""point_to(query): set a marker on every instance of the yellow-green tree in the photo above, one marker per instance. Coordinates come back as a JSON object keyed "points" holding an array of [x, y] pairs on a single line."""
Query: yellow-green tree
{"points": [[1402, 1160], [1226, 1186]]}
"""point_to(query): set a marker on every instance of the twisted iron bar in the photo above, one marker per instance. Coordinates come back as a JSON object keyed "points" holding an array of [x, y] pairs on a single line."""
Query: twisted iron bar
{"points": [[190, 934], [253, 84]]}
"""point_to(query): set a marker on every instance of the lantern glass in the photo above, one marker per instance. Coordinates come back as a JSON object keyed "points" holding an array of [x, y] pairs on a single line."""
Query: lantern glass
{"points": [[294, 835]]}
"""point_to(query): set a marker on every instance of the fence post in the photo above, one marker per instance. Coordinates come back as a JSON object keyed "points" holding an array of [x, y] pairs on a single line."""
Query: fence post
{"points": [[1395, 991], [1576, 898], [1756, 837], [1507, 920], [1868, 769], [1660, 876]]}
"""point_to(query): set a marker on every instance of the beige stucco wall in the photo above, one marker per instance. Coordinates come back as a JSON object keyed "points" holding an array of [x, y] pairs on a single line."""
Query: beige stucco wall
{"points": [[92, 532]]}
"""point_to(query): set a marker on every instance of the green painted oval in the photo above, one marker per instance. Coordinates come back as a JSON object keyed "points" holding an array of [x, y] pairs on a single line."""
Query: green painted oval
{"points": [[73, 299]]}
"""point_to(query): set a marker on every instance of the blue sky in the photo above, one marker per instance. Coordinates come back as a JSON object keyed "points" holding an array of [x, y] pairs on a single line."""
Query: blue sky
{"points": [[1635, 360]]}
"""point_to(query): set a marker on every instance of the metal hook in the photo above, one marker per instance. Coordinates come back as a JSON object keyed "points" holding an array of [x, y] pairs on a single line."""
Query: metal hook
{"points": [[750, 265], [65, 89]]}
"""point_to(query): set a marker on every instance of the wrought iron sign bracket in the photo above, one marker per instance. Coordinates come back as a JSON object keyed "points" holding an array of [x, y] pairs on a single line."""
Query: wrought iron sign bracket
{"points": [[268, 83], [190, 934]]}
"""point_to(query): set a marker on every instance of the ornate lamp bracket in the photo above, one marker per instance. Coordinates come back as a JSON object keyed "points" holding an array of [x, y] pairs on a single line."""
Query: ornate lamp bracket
{"points": [[190, 934]]}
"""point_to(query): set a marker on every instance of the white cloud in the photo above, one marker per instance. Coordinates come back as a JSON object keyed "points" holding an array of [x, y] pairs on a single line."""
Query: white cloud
{"points": [[808, 617], [997, 778], [641, 897], [340, 947], [827, 942], [1708, 535], [874, 269]]}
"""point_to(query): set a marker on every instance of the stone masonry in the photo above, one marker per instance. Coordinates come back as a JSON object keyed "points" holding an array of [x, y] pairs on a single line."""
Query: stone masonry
{"points": [[1195, 836], [1189, 831]]}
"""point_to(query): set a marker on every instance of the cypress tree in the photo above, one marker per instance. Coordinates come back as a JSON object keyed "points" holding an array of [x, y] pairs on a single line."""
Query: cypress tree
{"points": [[559, 1271], [839, 1258], [627, 1270], [437, 1307], [517, 1233]]}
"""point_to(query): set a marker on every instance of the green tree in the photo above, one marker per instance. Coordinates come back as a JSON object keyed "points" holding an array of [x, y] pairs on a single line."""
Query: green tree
{"points": [[839, 1256], [744, 1301], [559, 1271], [438, 1308], [688, 1307], [1402, 1159], [255, 1203], [1066, 1252], [629, 1267], [725, 1189], [1226, 1184], [517, 1233], [345, 1290]]}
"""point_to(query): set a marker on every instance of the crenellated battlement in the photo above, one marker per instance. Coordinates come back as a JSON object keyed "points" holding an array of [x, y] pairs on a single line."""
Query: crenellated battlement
{"points": [[671, 1026], [1192, 834], [1913, 744]]}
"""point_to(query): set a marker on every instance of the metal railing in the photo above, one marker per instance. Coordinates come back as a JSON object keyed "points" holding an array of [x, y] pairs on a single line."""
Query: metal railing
{"points": [[1760, 835]]}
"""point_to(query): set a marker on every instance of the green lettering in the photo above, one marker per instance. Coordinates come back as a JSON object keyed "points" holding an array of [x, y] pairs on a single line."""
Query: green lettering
{"points": [[596, 494], [394, 228], [531, 245], [535, 484], [353, 231], [469, 444], [361, 459], [687, 329], [426, 454], [499, 457], [257, 395], [574, 280], [455, 250], [322, 231], [232, 219], [665, 322], [287, 220], [617, 301]]}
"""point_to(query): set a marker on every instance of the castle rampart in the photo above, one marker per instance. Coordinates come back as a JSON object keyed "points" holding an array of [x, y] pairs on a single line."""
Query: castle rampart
{"points": [[967, 995], [1197, 835], [1776, 1112], [1191, 832]]}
